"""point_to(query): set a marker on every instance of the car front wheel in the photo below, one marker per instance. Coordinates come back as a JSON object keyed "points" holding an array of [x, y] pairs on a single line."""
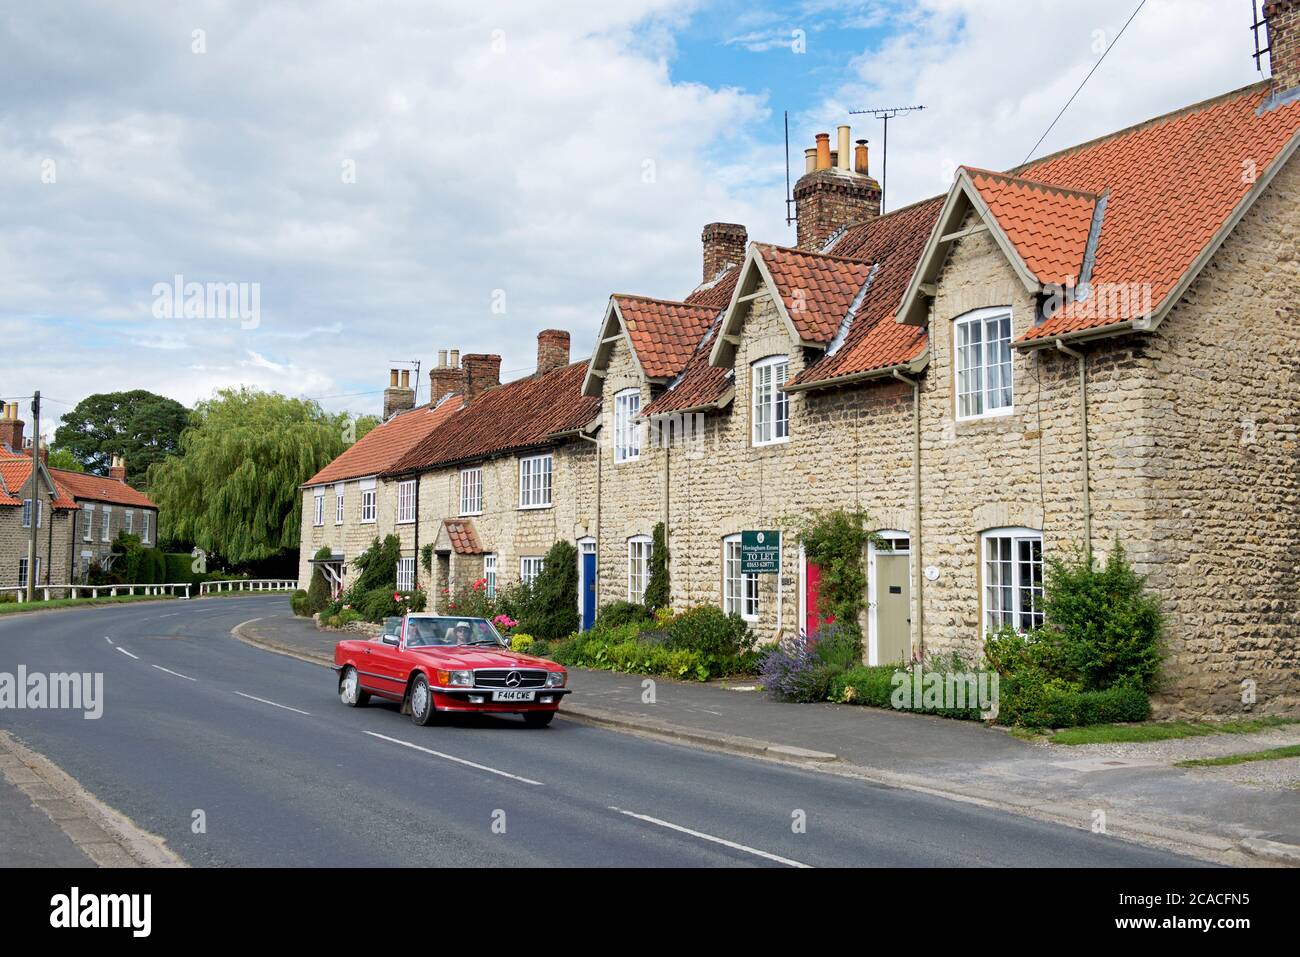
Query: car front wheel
{"points": [[422, 709], [350, 692], [538, 719]]}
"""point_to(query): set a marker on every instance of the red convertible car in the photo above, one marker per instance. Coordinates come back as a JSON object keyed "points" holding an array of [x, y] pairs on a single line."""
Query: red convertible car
{"points": [[432, 663]]}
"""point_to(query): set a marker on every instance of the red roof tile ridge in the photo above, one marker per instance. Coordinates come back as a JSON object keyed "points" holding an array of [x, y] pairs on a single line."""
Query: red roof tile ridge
{"points": [[1037, 184], [1258, 87], [662, 302], [851, 260]]}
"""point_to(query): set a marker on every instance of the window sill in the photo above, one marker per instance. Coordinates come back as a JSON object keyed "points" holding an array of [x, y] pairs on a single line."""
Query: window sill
{"points": [[534, 508], [995, 414], [471, 514], [770, 442]]}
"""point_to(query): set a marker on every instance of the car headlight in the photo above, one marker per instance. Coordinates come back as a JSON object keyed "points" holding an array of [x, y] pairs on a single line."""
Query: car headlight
{"points": [[456, 679], [555, 679]]}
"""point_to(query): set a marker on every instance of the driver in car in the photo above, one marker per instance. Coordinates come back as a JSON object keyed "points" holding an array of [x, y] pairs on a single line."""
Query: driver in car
{"points": [[462, 633]]}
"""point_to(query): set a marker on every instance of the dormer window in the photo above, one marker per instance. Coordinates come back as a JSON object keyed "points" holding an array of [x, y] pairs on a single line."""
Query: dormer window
{"points": [[771, 405], [982, 363]]}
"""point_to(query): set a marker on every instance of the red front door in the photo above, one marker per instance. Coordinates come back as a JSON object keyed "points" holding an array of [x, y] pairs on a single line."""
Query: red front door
{"points": [[812, 579]]}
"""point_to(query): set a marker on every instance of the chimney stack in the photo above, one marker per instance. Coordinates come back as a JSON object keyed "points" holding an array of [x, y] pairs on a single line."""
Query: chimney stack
{"points": [[117, 470], [480, 373], [11, 428], [1282, 18], [552, 350], [724, 246], [444, 377], [399, 396], [836, 195]]}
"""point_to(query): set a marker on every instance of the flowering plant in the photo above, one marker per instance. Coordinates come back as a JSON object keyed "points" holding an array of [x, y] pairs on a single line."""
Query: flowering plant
{"points": [[505, 622]]}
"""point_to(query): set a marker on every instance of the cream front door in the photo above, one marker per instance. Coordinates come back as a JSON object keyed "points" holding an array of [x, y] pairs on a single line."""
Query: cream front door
{"points": [[893, 609]]}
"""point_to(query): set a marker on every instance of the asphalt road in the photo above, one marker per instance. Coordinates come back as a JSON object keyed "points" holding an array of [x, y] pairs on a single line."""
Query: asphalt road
{"points": [[197, 725]]}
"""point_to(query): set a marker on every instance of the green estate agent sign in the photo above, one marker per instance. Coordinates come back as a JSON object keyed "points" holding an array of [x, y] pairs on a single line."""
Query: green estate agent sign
{"points": [[760, 553]]}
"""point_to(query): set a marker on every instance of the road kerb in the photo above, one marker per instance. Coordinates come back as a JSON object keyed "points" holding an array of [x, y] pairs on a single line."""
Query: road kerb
{"points": [[106, 836]]}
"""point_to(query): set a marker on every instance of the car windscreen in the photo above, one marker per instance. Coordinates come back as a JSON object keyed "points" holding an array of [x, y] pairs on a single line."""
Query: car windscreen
{"points": [[430, 632]]}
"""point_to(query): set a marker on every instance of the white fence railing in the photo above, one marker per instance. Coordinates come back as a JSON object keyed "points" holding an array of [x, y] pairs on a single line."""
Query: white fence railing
{"points": [[254, 585], [49, 592]]}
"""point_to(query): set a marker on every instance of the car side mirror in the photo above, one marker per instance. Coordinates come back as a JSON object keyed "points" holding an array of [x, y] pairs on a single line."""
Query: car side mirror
{"points": [[392, 640]]}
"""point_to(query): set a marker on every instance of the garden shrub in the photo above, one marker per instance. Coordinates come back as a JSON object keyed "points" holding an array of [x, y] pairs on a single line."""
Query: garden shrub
{"points": [[318, 589], [552, 606], [865, 685], [710, 631], [618, 613], [298, 603], [657, 595], [522, 643], [1108, 625], [838, 646], [794, 672]]}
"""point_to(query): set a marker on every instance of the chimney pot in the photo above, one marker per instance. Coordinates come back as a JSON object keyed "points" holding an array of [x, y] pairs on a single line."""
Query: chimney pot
{"points": [[823, 151], [842, 154], [454, 358], [11, 428], [392, 378], [406, 378], [442, 358], [552, 350], [398, 398], [810, 159], [860, 159], [116, 470]]}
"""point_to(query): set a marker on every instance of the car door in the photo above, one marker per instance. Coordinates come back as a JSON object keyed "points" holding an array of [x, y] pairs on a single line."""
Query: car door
{"points": [[387, 666]]}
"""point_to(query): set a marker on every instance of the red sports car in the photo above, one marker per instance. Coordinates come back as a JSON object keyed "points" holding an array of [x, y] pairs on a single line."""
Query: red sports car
{"points": [[431, 663]]}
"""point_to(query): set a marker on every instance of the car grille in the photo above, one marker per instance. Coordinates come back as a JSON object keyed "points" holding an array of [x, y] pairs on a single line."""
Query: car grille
{"points": [[496, 678]]}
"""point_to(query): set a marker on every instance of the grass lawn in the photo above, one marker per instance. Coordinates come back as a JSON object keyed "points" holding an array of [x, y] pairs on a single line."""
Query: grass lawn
{"points": [[1162, 730], [1272, 754], [14, 607]]}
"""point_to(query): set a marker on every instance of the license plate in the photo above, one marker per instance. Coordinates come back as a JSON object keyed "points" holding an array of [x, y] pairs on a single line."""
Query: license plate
{"points": [[513, 695]]}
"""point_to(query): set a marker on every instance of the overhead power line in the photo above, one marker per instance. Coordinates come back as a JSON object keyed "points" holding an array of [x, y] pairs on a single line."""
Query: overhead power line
{"points": [[1111, 46]]}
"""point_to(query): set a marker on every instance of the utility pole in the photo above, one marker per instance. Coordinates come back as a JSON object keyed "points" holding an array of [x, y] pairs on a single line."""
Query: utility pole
{"points": [[36, 502]]}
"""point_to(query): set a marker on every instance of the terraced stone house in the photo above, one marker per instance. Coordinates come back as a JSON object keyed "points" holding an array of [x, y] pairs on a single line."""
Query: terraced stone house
{"points": [[1096, 346]]}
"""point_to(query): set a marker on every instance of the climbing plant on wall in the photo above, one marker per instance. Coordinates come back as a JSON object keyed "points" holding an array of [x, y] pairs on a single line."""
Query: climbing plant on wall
{"points": [[836, 540]]}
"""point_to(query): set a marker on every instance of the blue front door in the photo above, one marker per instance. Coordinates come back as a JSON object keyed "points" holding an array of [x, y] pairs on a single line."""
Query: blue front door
{"points": [[588, 590]]}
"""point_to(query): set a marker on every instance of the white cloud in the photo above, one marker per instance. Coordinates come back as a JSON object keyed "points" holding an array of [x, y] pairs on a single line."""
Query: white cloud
{"points": [[993, 75], [542, 150]]}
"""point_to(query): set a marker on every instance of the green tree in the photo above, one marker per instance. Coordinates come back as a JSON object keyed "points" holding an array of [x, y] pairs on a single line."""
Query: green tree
{"points": [[364, 424], [552, 608], [142, 427], [234, 487], [64, 459]]}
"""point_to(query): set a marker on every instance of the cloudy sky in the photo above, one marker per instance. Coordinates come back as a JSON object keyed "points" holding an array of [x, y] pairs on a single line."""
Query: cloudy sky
{"points": [[393, 178]]}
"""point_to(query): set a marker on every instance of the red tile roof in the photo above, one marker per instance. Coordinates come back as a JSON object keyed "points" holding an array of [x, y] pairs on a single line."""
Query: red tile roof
{"points": [[700, 386], [526, 413], [816, 289], [464, 540], [384, 445], [893, 244], [97, 488], [1048, 226], [717, 291], [1173, 183], [663, 333]]}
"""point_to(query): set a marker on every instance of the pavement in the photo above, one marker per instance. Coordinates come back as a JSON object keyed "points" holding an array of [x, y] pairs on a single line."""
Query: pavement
{"points": [[1139, 796], [213, 752]]}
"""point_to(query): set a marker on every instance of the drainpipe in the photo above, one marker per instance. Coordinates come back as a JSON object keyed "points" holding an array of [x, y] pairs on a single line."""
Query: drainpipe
{"points": [[1083, 428], [918, 575], [596, 442]]}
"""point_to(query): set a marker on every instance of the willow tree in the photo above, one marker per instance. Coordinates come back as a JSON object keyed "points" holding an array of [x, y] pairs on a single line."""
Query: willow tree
{"points": [[233, 488]]}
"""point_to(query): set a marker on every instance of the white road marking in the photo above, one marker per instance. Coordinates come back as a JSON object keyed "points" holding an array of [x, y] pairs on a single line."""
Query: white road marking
{"points": [[709, 837], [108, 639], [176, 673], [125, 652], [451, 757], [272, 703]]}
